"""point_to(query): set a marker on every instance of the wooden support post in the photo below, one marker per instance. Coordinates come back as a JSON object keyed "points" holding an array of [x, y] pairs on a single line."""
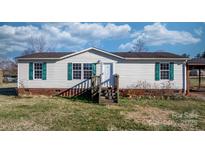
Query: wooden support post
{"points": [[117, 88], [187, 79], [199, 78], [99, 89], [92, 87]]}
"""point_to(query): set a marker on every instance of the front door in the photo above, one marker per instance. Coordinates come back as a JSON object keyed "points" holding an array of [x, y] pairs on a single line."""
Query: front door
{"points": [[107, 75]]}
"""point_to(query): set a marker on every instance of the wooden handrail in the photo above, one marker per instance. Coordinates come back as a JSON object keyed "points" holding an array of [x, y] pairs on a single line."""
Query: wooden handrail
{"points": [[89, 84], [93, 86], [77, 89]]}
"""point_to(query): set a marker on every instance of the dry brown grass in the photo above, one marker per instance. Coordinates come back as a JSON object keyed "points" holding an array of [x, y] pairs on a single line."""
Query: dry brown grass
{"points": [[52, 113], [150, 115], [156, 117], [8, 85]]}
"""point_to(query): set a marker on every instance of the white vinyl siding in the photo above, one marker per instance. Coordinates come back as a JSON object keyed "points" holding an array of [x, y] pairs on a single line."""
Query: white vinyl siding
{"points": [[130, 72], [57, 71], [143, 72]]}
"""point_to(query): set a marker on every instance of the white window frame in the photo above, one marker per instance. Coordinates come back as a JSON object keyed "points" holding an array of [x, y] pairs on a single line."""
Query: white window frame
{"points": [[86, 70], [78, 70], [34, 71], [165, 70], [82, 70]]}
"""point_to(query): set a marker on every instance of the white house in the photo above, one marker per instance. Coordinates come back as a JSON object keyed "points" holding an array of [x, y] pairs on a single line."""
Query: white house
{"points": [[52, 72]]}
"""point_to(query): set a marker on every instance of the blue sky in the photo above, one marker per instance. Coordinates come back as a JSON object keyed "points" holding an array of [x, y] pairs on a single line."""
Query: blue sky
{"points": [[174, 37]]}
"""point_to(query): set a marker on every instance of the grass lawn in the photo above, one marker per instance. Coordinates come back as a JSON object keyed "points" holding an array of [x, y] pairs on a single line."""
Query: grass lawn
{"points": [[46, 113], [8, 85]]}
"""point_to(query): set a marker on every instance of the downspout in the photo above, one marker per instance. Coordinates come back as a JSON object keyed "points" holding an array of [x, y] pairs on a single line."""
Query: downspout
{"points": [[185, 77], [18, 84], [101, 71]]}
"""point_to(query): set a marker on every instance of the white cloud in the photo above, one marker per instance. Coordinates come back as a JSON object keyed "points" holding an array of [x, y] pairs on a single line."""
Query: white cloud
{"points": [[96, 30], [199, 31], [158, 34], [63, 35], [14, 38]]}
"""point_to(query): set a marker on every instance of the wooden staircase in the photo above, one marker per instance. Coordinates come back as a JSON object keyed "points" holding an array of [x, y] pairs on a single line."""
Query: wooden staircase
{"points": [[82, 88], [108, 95], [92, 89]]}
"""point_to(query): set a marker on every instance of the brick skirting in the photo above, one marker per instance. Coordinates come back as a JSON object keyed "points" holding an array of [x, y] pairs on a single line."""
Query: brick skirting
{"points": [[123, 92], [149, 92], [40, 91]]}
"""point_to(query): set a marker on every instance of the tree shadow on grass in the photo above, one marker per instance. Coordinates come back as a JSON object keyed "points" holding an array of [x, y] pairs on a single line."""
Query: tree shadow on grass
{"points": [[8, 91], [81, 98]]}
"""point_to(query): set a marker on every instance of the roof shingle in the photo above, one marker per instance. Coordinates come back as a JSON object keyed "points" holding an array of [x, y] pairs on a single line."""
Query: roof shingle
{"points": [[147, 55], [57, 55], [46, 55], [197, 61]]}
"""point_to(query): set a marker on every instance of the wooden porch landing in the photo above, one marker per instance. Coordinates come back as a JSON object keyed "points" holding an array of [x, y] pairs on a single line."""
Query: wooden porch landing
{"points": [[92, 89]]}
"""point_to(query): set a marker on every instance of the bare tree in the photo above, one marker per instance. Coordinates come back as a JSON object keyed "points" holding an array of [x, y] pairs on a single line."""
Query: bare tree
{"points": [[9, 66], [198, 55], [139, 46], [38, 44], [201, 55], [185, 55]]}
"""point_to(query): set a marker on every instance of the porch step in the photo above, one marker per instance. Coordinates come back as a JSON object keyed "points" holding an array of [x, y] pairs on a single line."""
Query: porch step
{"points": [[92, 89], [104, 100], [108, 93]]}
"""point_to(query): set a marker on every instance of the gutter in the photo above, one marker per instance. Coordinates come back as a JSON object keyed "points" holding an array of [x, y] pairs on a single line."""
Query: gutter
{"points": [[156, 59], [122, 58]]}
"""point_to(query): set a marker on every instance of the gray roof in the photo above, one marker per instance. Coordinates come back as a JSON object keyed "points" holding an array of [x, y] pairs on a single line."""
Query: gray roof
{"points": [[56, 55], [197, 61], [46, 55], [147, 55]]}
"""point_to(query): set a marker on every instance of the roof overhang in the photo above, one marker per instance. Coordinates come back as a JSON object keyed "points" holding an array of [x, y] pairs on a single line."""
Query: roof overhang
{"points": [[73, 54], [158, 59], [37, 58], [196, 62], [104, 52], [92, 48]]}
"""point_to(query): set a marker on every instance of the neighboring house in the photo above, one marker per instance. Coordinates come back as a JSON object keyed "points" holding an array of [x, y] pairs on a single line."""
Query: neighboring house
{"points": [[9, 76], [52, 72]]}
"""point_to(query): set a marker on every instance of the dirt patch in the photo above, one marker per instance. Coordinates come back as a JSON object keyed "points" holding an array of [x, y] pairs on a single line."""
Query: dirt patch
{"points": [[22, 125], [115, 107], [150, 115], [200, 95], [158, 117]]}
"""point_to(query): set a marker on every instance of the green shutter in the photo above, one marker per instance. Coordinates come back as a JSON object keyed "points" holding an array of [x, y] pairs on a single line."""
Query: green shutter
{"points": [[30, 71], [70, 77], [94, 69], [171, 71], [157, 71], [44, 71]]}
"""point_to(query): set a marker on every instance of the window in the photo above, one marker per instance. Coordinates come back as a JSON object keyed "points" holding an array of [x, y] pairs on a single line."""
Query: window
{"points": [[76, 71], [82, 71], [87, 71], [38, 70], [164, 71]]}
